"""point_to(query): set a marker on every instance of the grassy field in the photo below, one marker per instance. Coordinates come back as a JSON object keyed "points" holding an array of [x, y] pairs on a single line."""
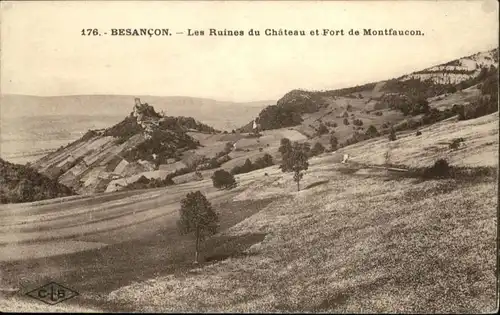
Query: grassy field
{"points": [[354, 239], [357, 243]]}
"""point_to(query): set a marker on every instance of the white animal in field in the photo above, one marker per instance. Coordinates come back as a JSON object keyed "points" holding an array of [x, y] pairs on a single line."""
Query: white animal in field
{"points": [[346, 157]]}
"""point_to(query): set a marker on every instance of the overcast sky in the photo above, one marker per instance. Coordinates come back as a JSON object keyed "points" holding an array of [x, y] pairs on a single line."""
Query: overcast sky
{"points": [[43, 52]]}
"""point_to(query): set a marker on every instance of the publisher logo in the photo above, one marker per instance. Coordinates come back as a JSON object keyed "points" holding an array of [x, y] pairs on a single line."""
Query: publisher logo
{"points": [[52, 293]]}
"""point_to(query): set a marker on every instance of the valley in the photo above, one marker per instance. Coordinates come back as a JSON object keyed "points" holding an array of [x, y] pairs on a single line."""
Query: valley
{"points": [[369, 231]]}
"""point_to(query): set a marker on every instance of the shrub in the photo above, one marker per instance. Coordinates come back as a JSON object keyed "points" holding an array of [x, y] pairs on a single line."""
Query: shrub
{"points": [[333, 143], [346, 122], [419, 133], [392, 135], [265, 161], [455, 144], [372, 132], [285, 146], [223, 179], [322, 129], [357, 122], [440, 169], [317, 149]]}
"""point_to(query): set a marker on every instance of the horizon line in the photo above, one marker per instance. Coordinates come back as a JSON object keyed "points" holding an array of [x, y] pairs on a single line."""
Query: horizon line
{"points": [[348, 85]]}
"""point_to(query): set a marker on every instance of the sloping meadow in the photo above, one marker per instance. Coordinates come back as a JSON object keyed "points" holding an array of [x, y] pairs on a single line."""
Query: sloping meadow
{"points": [[352, 243]]}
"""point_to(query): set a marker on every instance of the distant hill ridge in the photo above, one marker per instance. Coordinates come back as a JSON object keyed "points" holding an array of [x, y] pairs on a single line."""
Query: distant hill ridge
{"points": [[218, 114], [449, 77]]}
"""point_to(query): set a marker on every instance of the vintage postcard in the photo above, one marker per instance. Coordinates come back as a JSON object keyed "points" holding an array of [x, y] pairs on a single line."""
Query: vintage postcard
{"points": [[249, 157]]}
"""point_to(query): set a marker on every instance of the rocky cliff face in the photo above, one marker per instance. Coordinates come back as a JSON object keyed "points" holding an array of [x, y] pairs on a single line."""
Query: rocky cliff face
{"points": [[458, 70], [108, 159]]}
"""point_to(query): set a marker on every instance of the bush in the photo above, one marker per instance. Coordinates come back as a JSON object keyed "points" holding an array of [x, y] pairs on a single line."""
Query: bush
{"points": [[418, 133], [317, 149], [346, 122], [392, 135], [372, 132], [334, 142], [357, 122], [455, 144], [440, 169], [285, 146], [322, 130], [223, 179]]}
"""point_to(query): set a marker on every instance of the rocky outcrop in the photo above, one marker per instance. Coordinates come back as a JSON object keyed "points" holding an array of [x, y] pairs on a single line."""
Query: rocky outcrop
{"points": [[106, 160], [458, 70]]}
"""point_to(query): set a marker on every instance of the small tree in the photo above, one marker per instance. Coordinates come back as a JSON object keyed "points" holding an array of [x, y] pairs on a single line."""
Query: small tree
{"points": [[372, 132], [346, 122], [334, 142], [228, 147], [296, 161], [392, 134], [322, 129], [265, 161], [247, 166], [223, 179], [285, 146], [198, 216]]}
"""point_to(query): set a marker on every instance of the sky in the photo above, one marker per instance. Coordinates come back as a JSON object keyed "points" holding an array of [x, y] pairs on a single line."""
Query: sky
{"points": [[43, 52]]}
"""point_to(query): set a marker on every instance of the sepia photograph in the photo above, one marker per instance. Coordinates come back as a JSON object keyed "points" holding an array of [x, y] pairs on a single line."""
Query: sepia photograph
{"points": [[249, 156]]}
